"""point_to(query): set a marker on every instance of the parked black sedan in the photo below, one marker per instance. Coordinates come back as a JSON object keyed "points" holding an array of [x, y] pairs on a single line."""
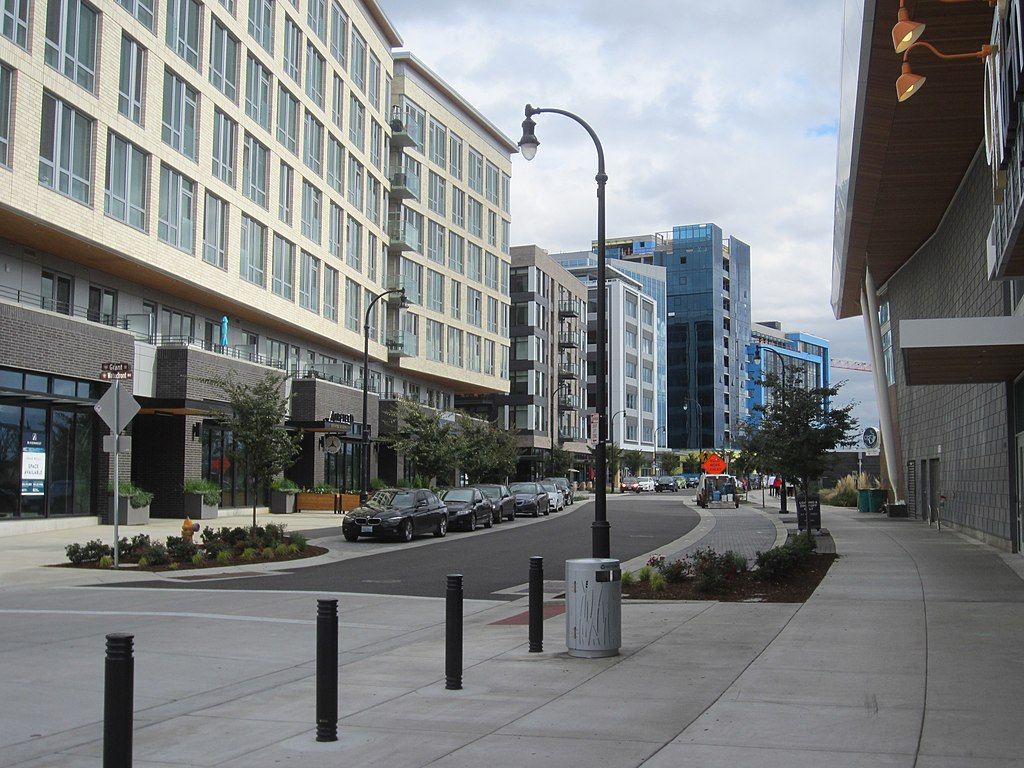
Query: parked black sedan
{"points": [[665, 483], [531, 499], [397, 512], [503, 505], [466, 508]]}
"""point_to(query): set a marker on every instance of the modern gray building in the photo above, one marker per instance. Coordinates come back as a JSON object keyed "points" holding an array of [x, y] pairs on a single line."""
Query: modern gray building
{"points": [[928, 251]]}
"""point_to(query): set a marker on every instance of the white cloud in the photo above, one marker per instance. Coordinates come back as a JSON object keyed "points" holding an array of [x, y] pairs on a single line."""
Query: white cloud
{"points": [[720, 112]]}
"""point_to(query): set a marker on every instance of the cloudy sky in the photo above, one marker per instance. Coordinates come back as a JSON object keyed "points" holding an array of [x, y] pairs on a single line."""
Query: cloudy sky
{"points": [[708, 112]]}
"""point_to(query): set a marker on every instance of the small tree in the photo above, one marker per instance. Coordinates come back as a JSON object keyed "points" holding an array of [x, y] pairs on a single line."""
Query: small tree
{"points": [[262, 444], [483, 450], [633, 461], [424, 439], [691, 462], [797, 432], [668, 463], [560, 461]]}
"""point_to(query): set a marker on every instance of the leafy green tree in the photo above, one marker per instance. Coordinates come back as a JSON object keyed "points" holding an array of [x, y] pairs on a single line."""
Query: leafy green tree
{"points": [[668, 463], [796, 431], [425, 440], [559, 462], [483, 450], [633, 461], [613, 458], [262, 444], [690, 462]]}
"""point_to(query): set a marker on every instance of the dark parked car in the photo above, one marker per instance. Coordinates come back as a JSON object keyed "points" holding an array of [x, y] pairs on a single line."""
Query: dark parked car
{"points": [[503, 505], [466, 508], [400, 512], [530, 498], [665, 483], [564, 486]]}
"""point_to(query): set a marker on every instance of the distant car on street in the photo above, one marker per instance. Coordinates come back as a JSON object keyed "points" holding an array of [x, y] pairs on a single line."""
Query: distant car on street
{"points": [[531, 499], [503, 504], [646, 483], [629, 484], [564, 486], [397, 512], [666, 483], [554, 494], [467, 508]]}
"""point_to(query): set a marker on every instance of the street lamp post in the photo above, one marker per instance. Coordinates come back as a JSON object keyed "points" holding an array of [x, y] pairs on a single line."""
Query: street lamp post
{"points": [[364, 470], [782, 361], [600, 529]]}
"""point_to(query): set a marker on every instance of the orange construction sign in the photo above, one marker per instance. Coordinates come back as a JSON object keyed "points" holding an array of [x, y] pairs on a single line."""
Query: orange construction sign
{"points": [[714, 464]]}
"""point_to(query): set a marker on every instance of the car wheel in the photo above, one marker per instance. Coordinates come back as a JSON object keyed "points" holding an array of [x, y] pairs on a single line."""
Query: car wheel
{"points": [[405, 531], [471, 525], [442, 527], [547, 510], [488, 521], [350, 535], [536, 511]]}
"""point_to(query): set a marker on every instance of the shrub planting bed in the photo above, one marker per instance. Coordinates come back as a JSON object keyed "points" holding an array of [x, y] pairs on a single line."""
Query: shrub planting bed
{"points": [[786, 574], [214, 549]]}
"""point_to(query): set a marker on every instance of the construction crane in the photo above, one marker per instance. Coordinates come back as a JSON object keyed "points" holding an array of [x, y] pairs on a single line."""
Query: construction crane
{"points": [[850, 365]]}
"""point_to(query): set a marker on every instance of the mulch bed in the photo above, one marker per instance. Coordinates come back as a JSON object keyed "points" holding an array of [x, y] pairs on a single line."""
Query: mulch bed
{"points": [[747, 587], [309, 551]]}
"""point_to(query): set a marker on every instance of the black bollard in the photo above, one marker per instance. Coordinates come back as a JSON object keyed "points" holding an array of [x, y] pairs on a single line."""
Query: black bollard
{"points": [[453, 634], [118, 701], [326, 670], [536, 604]]}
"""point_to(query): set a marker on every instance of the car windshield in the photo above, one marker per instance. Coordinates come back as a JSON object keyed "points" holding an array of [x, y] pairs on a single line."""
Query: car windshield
{"points": [[458, 494], [666, 479], [391, 499], [524, 488], [549, 487], [489, 490]]}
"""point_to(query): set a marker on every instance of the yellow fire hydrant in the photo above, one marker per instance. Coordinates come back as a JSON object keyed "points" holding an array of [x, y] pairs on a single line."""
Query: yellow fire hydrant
{"points": [[187, 529]]}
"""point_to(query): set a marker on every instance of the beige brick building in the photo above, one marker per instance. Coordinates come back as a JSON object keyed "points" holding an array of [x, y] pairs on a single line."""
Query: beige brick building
{"points": [[239, 180]]}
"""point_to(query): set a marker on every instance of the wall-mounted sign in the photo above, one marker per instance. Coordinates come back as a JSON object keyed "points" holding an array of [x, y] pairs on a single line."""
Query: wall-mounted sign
{"points": [[870, 437], [33, 464], [332, 444]]}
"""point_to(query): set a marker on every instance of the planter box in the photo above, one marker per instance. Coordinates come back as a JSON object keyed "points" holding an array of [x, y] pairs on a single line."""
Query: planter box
{"points": [[316, 502], [129, 515], [281, 502], [196, 509], [349, 501]]}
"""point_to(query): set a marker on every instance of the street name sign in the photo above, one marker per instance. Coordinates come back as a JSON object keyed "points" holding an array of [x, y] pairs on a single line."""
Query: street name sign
{"points": [[116, 371]]}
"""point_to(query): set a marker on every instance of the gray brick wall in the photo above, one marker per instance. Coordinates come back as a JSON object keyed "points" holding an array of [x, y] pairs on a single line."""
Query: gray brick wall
{"points": [[314, 400], [947, 278]]}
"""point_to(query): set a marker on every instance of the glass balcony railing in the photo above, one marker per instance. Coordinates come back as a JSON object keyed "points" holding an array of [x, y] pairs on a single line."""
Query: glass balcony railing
{"points": [[402, 236]]}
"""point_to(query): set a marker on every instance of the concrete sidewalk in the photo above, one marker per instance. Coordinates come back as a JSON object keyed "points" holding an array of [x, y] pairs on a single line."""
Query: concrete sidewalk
{"points": [[907, 655]]}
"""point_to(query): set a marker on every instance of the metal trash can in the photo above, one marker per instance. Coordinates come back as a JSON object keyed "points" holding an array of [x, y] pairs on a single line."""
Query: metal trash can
{"points": [[593, 607], [863, 499]]}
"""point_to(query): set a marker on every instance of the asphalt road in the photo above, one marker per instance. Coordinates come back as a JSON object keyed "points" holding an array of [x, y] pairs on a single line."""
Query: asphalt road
{"points": [[489, 562]]}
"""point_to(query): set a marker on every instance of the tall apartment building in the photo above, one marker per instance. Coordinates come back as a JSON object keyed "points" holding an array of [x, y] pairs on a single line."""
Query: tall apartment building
{"points": [[707, 313], [223, 188], [633, 352], [804, 362], [547, 400]]}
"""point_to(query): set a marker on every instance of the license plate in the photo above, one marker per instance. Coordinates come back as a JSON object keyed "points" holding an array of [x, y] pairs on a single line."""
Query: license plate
{"points": [[366, 529]]}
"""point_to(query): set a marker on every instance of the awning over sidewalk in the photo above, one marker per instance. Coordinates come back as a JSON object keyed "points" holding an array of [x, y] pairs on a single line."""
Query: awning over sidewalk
{"points": [[962, 350]]}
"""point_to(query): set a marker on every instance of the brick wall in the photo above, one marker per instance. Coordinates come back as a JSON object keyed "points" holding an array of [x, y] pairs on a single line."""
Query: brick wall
{"points": [[315, 400], [947, 278]]}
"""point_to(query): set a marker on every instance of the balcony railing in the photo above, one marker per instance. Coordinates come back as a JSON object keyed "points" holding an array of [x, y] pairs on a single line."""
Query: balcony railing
{"points": [[400, 136], [401, 236], [568, 341], [567, 309], [402, 344], [566, 403], [404, 185], [566, 373]]}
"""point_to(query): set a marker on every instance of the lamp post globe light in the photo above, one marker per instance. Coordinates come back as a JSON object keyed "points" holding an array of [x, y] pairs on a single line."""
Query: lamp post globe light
{"points": [[782, 361], [364, 470], [600, 529]]}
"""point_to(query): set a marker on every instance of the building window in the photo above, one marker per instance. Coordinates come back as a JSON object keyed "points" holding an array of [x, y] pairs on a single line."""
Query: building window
{"points": [[215, 231], [331, 294], [438, 144], [474, 307], [309, 282], [335, 228], [180, 115], [253, 262], [352, 308], [456, 300], [414, 121], [127, 182], [285, 193], [436, 194], [355, 182], [455, 155], [316, 69], [476, 171], [177, 210], [456, 253], [71, 40], [435, 291], [313, 144], [65, 150], [473, 352], [455, 347], [261, 23], [183, 19], [257, 91], [473, 270], [373, 82], [491, 271], [223, 60], [435, 341], [493, 179], [225, 134], [339, 33], [140, 9], [335, 165], [14, 22], [356, 122], [317, 18], [292, 50], [6, 101], [287, 119], [358, 63], [283, 276], [132, 79], [890, 368], [506, 192], [254, 171], [458, 207], [476, 217], [354, 244], [492, 314], [312, 202]]}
